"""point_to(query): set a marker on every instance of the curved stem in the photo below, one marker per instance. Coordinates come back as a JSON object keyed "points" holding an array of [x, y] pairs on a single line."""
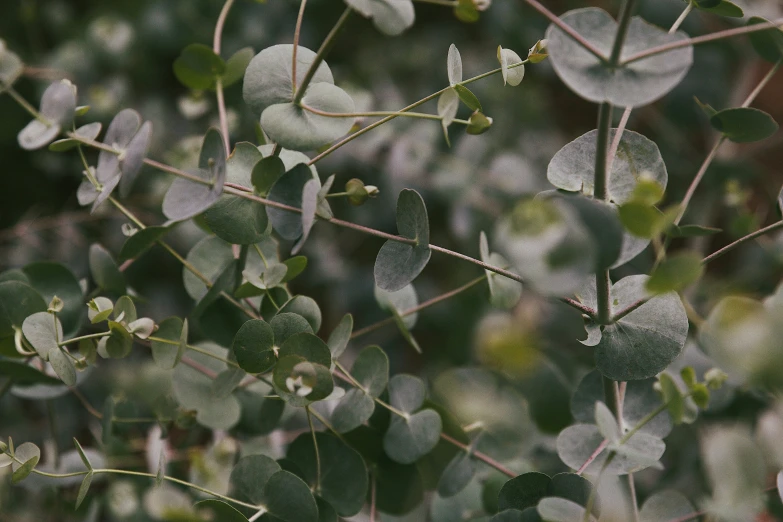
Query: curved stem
{"points": [[320, 55], [677, 23], [697, 179], [297, 33], [221, 102], [567, 29], [371, 114], [753, 235]]}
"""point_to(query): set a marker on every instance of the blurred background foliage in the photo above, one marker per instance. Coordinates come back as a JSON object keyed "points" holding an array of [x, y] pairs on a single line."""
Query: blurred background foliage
{"points": [[120, 55]]}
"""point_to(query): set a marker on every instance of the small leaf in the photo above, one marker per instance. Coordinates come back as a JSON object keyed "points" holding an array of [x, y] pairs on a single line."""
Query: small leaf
{"points": [[391, 17], [723, 8], [141, 241], [253, 347], [11, 67], [185, 198], [236, 66], [83, 489], [479, 123], [161, 473], [768, 43], [44, 331], [105, 271], [89, 131], [448, 103], [504, 292], [457, 475], [133, 159], [28, 454], [675, 273], [606, 422], [198, 67], [289, 190], [63, 366], [511, 71], [84, 458], [168, 355], [409, 439], [340, 336], [309, 208], [454, 66], [468, 98], [371, 370], [58, 105], [744, 124], [398, 263]]}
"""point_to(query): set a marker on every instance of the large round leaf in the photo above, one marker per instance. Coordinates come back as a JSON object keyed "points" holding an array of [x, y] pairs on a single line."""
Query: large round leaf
{"points": [[54, 279], [578, 443], [253, 346], [631, 85], [297, 128], [268, 77], [343, 481], [17, 302], [399, 263], [644, 342]]}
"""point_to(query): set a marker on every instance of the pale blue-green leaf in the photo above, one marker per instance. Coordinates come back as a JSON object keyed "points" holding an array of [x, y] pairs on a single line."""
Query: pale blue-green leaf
{"points": [[250, 476], [665, 506], [134, 158], [454, 65], [553, 509], [89, 131], [37, 134], [340, 336], [83, 489], [577, 444], [168, 355], [307, 308], [309, 208], [391, 17], [105, 271], [398, 263], [28, 454], [353, 410], [409, 439], [512, 72], [186, 199], [458, 473], [289, 190], [53, 279], [43, 330], [299, 129], [632, 85], [63, 366], [121, 130], [644, 342], [406, 392], [399, 301], [343, 475], [606, 422], [371, 370], [268, 75]]}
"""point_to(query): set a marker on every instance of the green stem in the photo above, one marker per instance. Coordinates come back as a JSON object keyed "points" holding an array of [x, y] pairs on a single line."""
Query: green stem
{"points": [[622, 32], [602, 280], [195, 349], [320, 55], [371, 114], [83, 337]]}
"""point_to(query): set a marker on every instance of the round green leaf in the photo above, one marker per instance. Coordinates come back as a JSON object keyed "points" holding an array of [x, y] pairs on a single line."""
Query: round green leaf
{"points": [[17, 302], [631, 85], [139, 242], [237, 220], [353, 410], [343, 481], [289, 498], [236, 66], [664, 506], [307, 346], [44, 331], [675, 273], [409, 439], [457, 475], [744, 124], [250, 476], [391, 17], [104, 270], [268, 75], [644, 342], [210, 257], [296, 128], [198, 67], [371, 370], [288, 190], [168, 355], [58, 105], [573, 167], [54, 279], [253, 347], [523, 491], [406, 392], [340, 336], [398, 263], [306, 307], [286, 324], [769, 43]]}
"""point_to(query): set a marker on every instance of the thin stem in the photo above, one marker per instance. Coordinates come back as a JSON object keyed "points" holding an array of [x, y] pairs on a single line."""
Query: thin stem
{"points": [[371, 114], [317, 454], [677, 23], [410, 107], [697, 179], [420, 307], [297, 33], [763, 83], [622, 32], [753, 235], [653, 51], [480, 456], [83, 337], [567, 29], [622, 313], [372, 498], [320, 55], [579, 306], [216, 47], [612, 396], [602, 281], [601, 447], [195, 349]]}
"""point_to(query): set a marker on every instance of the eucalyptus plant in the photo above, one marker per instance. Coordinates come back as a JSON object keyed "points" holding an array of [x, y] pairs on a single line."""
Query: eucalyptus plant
{"points": [[372, 444]]}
